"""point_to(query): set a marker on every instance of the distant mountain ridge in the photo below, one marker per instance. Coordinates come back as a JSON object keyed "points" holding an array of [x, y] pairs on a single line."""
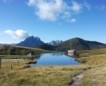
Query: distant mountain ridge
{"points": [[31, 41], [74, 43], [46, 46], [80, 44], [55, 42]]}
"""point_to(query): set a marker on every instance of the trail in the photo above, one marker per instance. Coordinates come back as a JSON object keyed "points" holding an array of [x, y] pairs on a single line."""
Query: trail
{"points": [[76, 80]]}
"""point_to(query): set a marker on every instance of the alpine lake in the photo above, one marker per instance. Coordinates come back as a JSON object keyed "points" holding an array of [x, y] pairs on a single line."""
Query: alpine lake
{"points": [[52, 59]]}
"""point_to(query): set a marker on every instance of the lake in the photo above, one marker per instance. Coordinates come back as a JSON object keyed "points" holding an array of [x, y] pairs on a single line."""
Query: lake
{"points": [[54, 59]]}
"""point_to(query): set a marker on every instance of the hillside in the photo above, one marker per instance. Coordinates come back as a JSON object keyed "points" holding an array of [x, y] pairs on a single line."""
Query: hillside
{"points": [[80, 44], [55, 42], [31, 42], [46, 47], [74, 43], [18, 50]]}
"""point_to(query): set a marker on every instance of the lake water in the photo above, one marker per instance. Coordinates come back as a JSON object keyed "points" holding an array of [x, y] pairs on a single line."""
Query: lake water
{"points": [[54, 59]]}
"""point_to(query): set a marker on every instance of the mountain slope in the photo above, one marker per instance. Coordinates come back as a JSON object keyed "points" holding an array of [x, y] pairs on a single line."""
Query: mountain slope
{"points": [[46, 47], [55, 42], [80, 44], [31, 42], [18, 50]]}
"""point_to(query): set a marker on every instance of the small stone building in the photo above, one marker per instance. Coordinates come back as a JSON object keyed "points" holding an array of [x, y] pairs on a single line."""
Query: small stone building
{"points": [[71, 52]]}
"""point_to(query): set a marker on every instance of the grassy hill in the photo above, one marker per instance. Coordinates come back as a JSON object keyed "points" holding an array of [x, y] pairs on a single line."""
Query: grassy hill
{"points": [[80, 44], [97, 59], [18, 50]]}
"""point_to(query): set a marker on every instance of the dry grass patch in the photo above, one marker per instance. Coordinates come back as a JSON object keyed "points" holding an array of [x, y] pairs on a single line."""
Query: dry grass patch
{"points": [[95, 77], [8, 65], [95, 60], [40, 76]]}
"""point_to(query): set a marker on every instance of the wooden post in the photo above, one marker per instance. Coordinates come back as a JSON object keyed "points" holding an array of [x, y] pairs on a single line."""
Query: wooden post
{"points": [[11, 67], [18, 63], [0, 62]]}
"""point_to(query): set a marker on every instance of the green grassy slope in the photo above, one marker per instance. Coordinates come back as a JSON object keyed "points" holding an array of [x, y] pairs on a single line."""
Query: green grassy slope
{"points": [[17, 50]]}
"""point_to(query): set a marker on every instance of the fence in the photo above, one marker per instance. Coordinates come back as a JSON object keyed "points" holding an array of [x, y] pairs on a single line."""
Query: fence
{"points": [[0, 62]]}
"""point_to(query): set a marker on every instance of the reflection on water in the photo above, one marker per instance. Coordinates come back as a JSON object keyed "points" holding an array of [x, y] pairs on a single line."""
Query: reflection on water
{"points": [[38, 57], [57, 54], [54, 59], [35, 57]]}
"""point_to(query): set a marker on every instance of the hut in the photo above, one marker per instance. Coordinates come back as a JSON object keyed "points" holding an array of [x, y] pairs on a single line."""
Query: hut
{"points": [[71, 52]]}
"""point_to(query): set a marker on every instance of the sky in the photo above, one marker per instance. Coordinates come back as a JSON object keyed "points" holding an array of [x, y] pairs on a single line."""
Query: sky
{"points": [[52, 20]]}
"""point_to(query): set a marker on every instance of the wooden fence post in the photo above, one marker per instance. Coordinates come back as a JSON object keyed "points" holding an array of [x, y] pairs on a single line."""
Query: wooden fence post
{"points": [[0, 62]]}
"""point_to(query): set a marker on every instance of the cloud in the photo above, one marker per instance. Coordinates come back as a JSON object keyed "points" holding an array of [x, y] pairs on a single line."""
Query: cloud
{"points": [[87, 5], [47, 10], [100, 6], [53, 10], [20, 34], [73, 20], [76, 7]]}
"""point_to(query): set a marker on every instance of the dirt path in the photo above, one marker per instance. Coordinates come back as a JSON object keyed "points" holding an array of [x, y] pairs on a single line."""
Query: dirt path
{"points": [[76, 80]]}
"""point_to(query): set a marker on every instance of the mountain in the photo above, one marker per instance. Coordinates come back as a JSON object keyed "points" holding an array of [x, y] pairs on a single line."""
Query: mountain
{"points": [[74, 43], [31, 42], [51, 45], [55, 42], [80, 44], [46, 46]]}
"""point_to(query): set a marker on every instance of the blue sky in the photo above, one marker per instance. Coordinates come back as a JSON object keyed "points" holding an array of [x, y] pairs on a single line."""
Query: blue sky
{"points": [[52, 20]]}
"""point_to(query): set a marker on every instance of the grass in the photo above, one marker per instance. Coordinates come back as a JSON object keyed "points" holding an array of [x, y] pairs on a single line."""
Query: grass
{"points": [[17, 50], [95, 77], [93, 57], [15, 73], [87, 53], [96, 59], [19, 75], [15, 57], [39, 76], [9, 65]]}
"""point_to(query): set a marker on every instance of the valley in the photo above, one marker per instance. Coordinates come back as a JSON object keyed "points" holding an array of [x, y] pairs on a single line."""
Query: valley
{"points": [[20, 73], [52, 43]]}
